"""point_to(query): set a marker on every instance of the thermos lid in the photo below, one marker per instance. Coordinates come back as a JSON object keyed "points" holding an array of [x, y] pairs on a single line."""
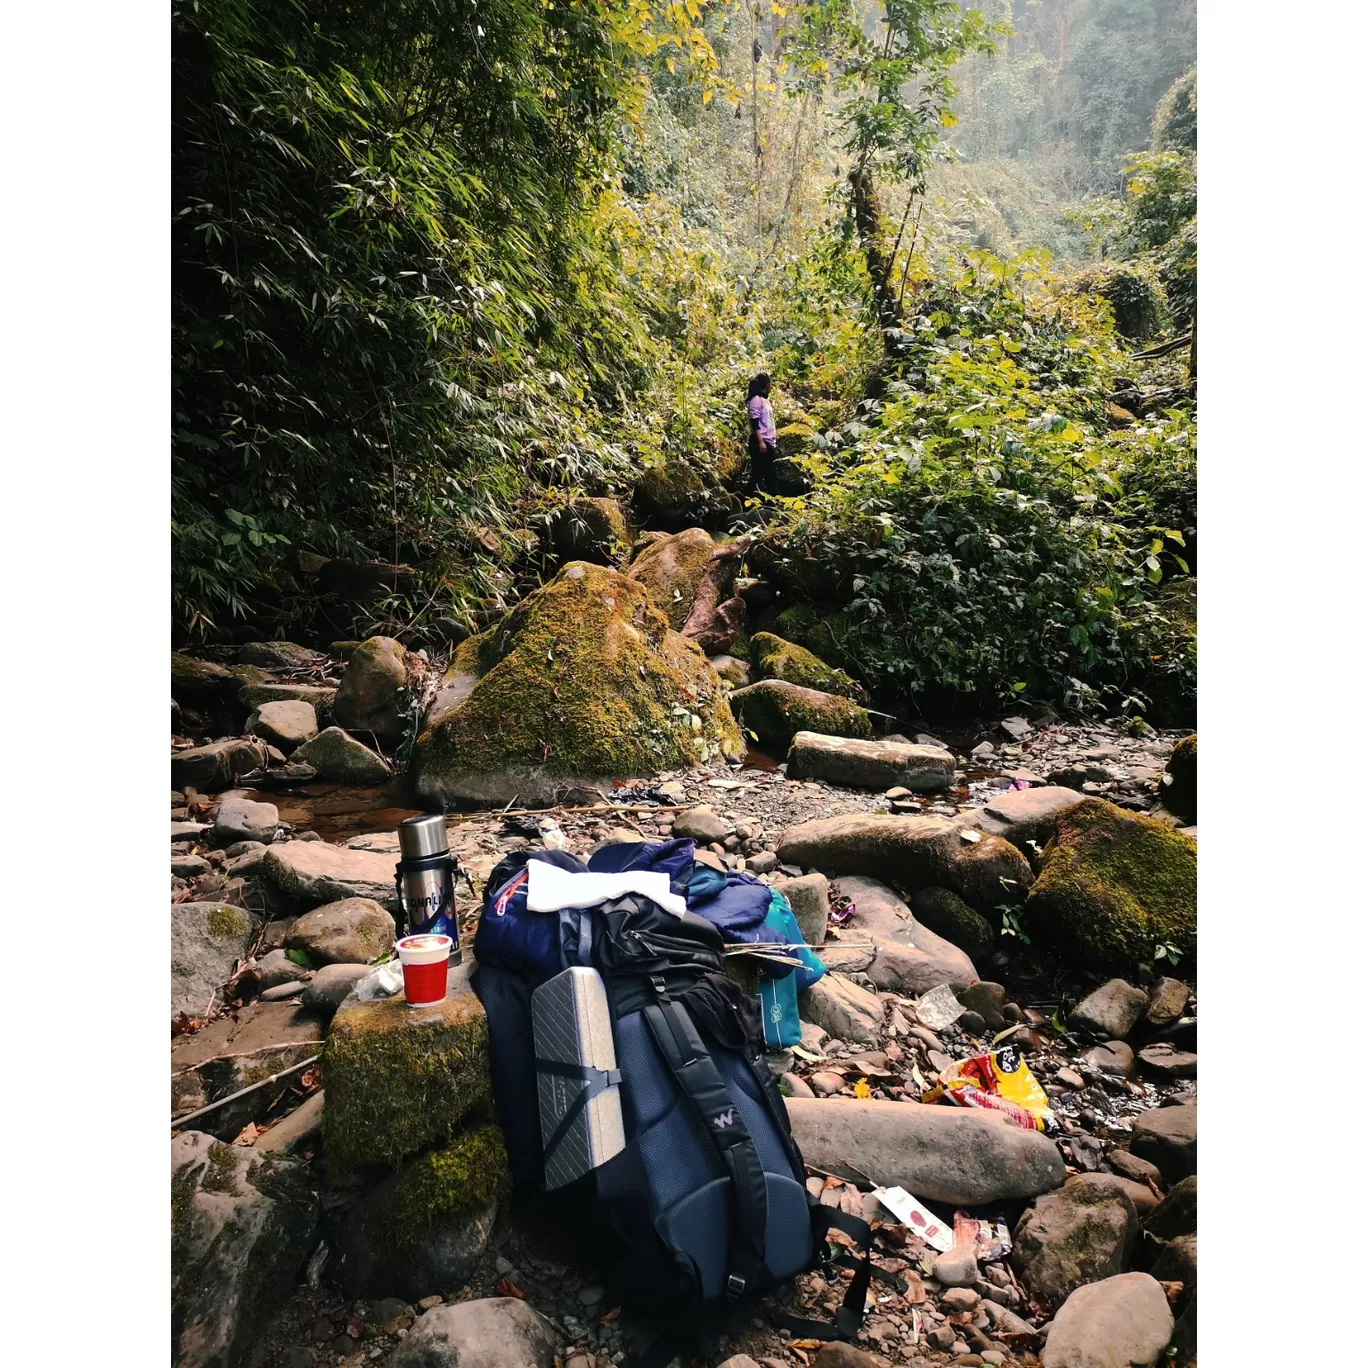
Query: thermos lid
{"points": [[420, 837]]}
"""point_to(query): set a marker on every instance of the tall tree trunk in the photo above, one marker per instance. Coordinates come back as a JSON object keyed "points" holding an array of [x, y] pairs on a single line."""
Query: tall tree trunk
{"points": [[871, 230]]}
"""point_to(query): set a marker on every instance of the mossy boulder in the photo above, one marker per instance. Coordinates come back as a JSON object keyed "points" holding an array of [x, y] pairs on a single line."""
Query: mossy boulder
{"points": [[208, 940], [192, 678], [826, 632], [279, 655], [582, 683], [670, 493], [423, 1227], [1180, 779], [672, 568], [948, 915], [776, 658], [401, 1079], [587, 529], [373, 695], [1081, 1233], [777, 711], [1115, 884]]}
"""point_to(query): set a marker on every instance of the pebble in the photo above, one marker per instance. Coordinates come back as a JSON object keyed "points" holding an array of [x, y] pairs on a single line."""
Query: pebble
{"points": [[960, 1298], [590, 1296], [1070, 1078], [283, 992]]}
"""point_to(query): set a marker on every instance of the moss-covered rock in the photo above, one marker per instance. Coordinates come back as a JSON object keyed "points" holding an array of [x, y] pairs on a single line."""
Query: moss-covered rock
{"points": [[776, 658], [424, 1226], [731, 670], [672, 568], [255, 695], [671, 492], [1180, 788], [400, 1079], [582, 683], [948, 915], [824, 631], [192, 678], [373, 695], [587, 529], [777, 711], [1113, 885]]}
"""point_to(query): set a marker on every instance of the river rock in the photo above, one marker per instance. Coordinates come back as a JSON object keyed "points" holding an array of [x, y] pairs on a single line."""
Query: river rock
{"points": [[957, 1267], [217, 765], [1141, 1195], [1081, 1233], [275, 968], [352, 931], [671, 568], [424, 1226], [942, 1153], [330, 985], [335, 755], [587, 529], [1121, 1322], [198, 679], [843, 1009], [1114, 1057], [491, 1332], [189, 866], [1179, 784], [869, 764], [1168, 1001], [257, 694], [909, 959], [240, 819], [1021, 815], [208, 940], [949, 916], [1111, 1010], [242, 1226], [1164, 1060], [1114, 886], [314, 873], [581, 683], [1177, 1214], [1167, 1137], [910, 853], [808, 896], [988, 1000], [280, 655], [700, 824], [776, 658], [777, 711], [287, 724], [1131, 1166], [295, 1131], [373, 694], [401, 1079], [731, 670]]}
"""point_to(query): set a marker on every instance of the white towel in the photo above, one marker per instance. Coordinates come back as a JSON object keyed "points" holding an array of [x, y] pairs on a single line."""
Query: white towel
{"points": [[550, 888]]}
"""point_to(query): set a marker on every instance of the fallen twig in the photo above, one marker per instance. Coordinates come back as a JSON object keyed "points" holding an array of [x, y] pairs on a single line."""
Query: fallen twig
{"points": [[177, 1121]]}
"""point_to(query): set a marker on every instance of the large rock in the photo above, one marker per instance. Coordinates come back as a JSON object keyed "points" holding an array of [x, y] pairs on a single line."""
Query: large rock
{"points": [[581, 683], [336, 755], [1111, 1010], [240, 819], [280, 655], [808, 897], [1022, 816], [198, 679], [330, 987], [287, 724], [352, 931], [869, 764], [423, 1227], [400, 1079], [1168, 1001], [909, 958], [731, 670], [207, 942], [946, 1154], [257, 693], [295, 1131], [373, 695], [217, 765], [242, 1226], [493, 1332], [843, 1009], [776, 712], [1177, 1214], [671, 569], [587, 529], [700, 824], [1121, 1322], [312, 873], [949, 916], [1167, 1137], [1179, 783], [911, 853], [1114, 885], [1082, 1233], [776, 658]]}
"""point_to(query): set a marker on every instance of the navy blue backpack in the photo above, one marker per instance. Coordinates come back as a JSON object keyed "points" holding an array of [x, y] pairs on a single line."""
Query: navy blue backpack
{"points": [[707, 1206]]}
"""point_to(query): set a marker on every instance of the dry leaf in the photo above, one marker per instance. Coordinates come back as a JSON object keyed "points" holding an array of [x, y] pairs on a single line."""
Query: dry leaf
{"points": [[505, 1288], [248, 1134]]}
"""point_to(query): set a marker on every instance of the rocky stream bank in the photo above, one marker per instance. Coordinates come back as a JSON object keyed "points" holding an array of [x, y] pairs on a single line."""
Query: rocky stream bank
{"points": [[351, 1206]]}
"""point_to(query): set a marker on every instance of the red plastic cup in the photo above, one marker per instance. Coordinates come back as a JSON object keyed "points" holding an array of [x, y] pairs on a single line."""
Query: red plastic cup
{"points": [[425, 968]]}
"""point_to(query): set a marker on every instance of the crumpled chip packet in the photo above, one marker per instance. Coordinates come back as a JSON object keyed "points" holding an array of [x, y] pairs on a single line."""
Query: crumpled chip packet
{"points": [[997, 1081]]}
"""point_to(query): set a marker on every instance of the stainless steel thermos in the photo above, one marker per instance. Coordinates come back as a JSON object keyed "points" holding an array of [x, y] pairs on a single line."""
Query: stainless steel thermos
{"points": [[426, 879]]}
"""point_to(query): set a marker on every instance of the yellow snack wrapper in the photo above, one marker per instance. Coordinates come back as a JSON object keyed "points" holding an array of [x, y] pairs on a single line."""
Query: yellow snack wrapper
{"points": [[998, 1081]]}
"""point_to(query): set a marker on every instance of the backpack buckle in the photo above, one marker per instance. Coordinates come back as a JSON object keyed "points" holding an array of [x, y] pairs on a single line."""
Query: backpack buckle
{"points": [[736, 1287]]}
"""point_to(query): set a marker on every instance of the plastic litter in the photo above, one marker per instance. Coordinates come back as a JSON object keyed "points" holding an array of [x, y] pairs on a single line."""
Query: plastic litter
{"points": [[382, 982], [990, 1239], [997, 1081], [939, 1008], [915, 1216]]}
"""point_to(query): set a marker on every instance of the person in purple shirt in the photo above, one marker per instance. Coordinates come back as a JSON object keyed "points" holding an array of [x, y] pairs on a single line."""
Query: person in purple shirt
{"points": [[763, 441]]}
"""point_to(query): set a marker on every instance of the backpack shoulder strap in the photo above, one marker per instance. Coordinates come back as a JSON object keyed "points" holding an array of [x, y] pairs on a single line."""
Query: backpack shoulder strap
{"points": [[850, 1316], [698, 1077]]}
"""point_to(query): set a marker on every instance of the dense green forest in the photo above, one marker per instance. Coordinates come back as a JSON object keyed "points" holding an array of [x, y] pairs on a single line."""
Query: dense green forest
{"points": [[440, 267]]}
